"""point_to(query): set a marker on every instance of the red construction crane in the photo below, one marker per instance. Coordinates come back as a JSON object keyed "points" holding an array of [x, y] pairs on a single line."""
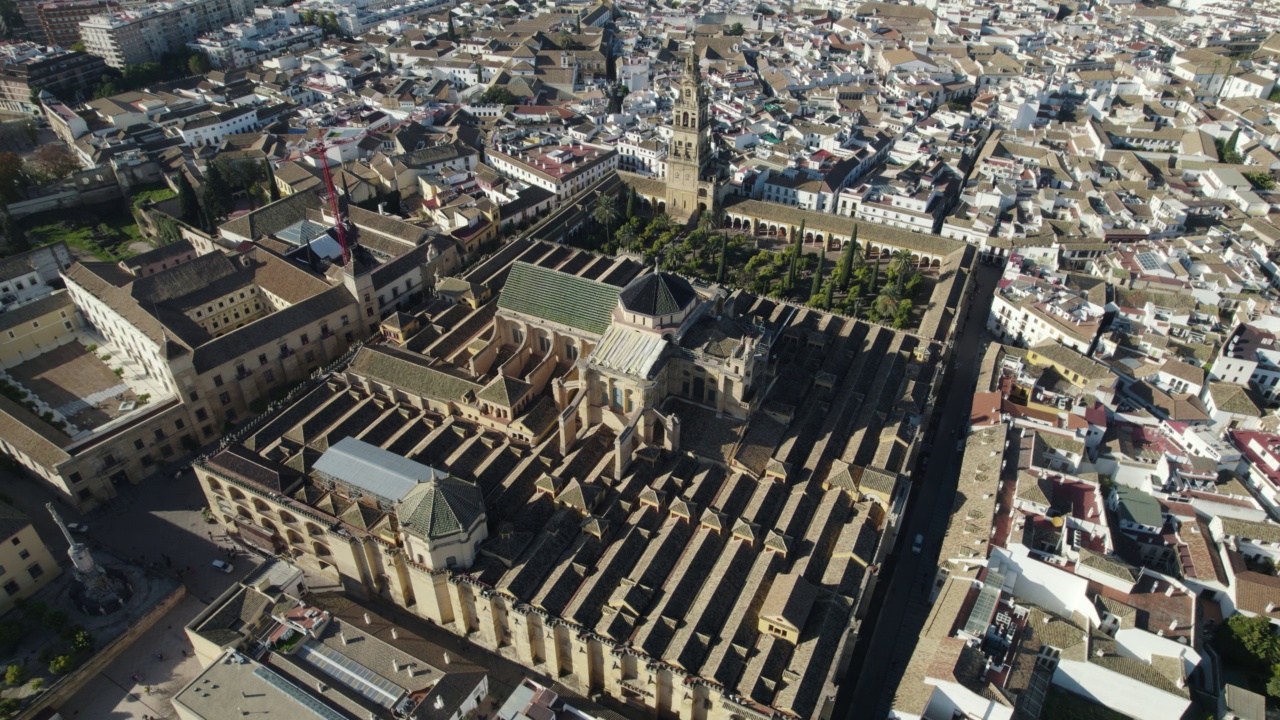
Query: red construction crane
{"points": [[319, 150]]}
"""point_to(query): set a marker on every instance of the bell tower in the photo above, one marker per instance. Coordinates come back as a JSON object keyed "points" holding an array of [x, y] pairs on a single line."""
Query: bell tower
{"points": [[689, 186]]}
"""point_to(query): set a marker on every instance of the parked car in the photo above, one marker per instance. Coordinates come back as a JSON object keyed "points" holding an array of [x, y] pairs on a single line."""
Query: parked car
{"points": [[918, 544], [223, 565], [78, 528]]}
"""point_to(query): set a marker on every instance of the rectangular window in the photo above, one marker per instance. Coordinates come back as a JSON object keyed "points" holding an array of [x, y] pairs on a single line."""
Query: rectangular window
{"points": [[225, 398], [306, 339], [217, 381], [138, 445], [309, 356], [262, 359], [201, 414], [75, 478], [179, 424], [35, 570], [269, 376], [24, 554], [11, 587]]}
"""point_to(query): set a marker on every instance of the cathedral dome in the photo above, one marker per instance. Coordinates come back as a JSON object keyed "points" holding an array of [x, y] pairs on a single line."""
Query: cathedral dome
{"points": [[439, 508], [657, 294]]}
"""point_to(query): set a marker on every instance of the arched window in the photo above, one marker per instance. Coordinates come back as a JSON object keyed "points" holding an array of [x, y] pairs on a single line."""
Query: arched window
{"points": [[685, 120], [261, 506], [321, 549]]}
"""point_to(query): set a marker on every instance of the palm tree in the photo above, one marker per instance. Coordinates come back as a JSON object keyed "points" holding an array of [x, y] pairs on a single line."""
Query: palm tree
{"points": [[885, 304], [661, 223], [626, 237], [606, 213], [707, 222], [899, 266]]}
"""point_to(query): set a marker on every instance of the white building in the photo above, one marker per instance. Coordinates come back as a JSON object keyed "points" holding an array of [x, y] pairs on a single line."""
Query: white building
{"points": [[143, 34]]}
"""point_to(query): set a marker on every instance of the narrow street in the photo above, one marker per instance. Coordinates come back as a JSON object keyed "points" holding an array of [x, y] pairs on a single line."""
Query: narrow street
{"points": [[900, 607]]}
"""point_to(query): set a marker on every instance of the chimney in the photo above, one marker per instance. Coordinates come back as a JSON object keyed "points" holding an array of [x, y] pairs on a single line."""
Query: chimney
{"points": [[367, 619], [1271, 607], [1168, 592], [446, 658], [394, 635], [321, 687], [1173, 625]]}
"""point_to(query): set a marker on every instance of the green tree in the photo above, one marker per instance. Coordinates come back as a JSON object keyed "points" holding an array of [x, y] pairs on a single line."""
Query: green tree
{"points": [[62, 664], [79, 46], [796, 248], [217, 192], [188, 204], [660, 223], [845, 269], [828, 294], [83, 642], [499, 94], [899, 265], [605, 212], [1260, 180], [885, 304], [11, 632], [13, 177], [626, 237], [707, 222], [816, 286], [902, 314], [631, 204], [737, 30], [16, 674], [198, 63], [55, 620], [724, 255], [874, 273], [15, 238]]}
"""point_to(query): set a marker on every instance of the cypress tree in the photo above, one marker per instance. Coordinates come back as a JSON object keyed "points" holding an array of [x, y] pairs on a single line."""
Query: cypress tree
{"points": [[795, 258], [817, 275], [724, 252], [452, 34], [15, 239], [828, 293], [631, 204], [846, 260], [188, 203], [875, 271]]}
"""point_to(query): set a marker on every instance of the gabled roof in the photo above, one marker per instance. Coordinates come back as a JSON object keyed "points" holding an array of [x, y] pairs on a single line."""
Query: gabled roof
{"points": [[789, 600], [559, 297], [504, 391], [370, 468]]}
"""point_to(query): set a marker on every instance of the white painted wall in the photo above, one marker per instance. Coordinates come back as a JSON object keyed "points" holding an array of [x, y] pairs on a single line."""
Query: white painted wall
{"points": [[1118, 692]]}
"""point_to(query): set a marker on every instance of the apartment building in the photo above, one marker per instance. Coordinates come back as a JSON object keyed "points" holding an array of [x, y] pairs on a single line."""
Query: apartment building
{"points": [[141, 35], [562, 169], [26, 70], [26, 564]]}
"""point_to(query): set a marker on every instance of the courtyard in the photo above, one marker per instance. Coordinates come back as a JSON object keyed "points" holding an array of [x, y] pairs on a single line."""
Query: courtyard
{"points": [[77, 384]]}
